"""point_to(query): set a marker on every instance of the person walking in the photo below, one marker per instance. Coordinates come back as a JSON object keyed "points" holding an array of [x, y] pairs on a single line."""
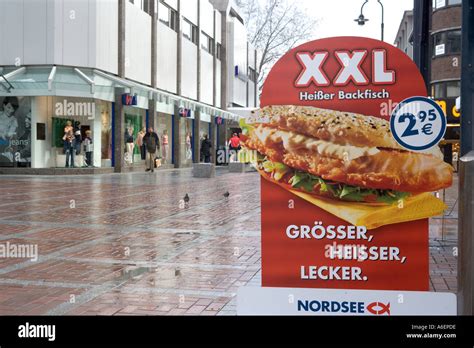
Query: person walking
{"points": [[152, 144], [234, 146], [206, 149], [88, 148], [69, 149]]}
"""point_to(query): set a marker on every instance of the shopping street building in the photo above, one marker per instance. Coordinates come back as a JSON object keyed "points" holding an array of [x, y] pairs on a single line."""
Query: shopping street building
{"points": [[443, 66], [114, 67]]}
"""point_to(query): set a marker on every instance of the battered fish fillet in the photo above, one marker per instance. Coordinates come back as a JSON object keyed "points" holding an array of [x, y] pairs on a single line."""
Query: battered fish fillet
{"points": [[388, 169], [346, 148]]}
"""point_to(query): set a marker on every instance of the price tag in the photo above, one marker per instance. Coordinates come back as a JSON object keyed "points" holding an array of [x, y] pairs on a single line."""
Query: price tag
{"points": [[418, 123]]}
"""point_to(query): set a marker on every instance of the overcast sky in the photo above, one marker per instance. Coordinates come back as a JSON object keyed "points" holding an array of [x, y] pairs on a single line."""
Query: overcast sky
{"points": [[337, 17]]}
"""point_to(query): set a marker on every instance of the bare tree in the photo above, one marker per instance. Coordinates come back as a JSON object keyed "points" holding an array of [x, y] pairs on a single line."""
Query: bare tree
{"points": [[274, 27]]}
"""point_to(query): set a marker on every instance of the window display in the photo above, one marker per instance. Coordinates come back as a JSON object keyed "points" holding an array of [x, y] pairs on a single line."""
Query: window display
{"points": [[163, 129], [15, 132], [134, 123], [186, 140], [106, 134]]}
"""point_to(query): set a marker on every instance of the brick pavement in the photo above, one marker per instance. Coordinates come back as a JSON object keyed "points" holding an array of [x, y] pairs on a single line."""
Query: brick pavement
{"points": [[124, 244]]}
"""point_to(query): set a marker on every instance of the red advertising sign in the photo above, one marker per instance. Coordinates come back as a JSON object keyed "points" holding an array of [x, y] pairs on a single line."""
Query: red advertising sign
{"points": [[343, 204]]}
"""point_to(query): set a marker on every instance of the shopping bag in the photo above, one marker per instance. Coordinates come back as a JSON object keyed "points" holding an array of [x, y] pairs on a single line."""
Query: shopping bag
{"points": [[157, 162]]}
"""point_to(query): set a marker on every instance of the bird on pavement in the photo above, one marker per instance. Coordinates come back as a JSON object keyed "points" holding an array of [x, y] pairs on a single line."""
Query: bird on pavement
{"points": [[186, 200], [226, 195]]}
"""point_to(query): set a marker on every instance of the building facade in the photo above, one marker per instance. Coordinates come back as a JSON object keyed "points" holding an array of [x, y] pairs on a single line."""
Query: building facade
{"points": [[444, 67], [445, 82], [404, 38], [114, 67]]}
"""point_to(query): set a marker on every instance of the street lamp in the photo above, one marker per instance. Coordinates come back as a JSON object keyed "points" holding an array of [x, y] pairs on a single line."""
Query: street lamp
{"points": [[361, 19], [381, 25]]}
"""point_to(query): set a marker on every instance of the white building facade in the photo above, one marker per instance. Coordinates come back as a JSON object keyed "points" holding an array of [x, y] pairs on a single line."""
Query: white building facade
{"points": [[113, 67]]}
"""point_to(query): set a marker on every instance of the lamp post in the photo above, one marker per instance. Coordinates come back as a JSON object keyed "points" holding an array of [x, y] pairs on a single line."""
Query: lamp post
{"points": [[382, 25], [361, 19]]}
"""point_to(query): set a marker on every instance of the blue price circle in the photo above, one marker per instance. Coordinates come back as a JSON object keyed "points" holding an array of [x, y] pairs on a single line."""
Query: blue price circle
{"points": [[418, 123]]}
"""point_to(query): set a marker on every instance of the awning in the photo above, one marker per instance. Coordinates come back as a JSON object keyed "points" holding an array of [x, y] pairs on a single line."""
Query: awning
{"points": [[90, 83]]}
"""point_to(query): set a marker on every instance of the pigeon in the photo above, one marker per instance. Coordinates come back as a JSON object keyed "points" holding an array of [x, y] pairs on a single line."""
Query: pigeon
{"points": [[226, 195], [186, 200]]}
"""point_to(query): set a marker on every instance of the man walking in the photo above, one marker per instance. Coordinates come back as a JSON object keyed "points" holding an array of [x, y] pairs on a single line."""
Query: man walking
{"points": [[206, 149], [152, 144]]}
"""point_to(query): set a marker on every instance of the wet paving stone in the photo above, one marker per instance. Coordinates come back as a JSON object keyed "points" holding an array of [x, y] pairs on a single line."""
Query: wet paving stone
{"points": [[126, 244]]}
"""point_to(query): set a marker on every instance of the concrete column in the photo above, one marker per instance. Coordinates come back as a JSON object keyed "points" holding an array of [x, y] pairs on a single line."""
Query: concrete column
{"points": [[199, 52], [119, 132], [214, 62], [213, 137], [154, 42], [176, 139], [224, 59], [152, 113], [119, 117], [121, 37], [180, 54], [154, 46], [196, 136]]}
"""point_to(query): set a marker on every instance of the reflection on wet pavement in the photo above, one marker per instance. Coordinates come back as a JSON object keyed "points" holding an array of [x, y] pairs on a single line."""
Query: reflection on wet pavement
{"points": [[124, 245]]}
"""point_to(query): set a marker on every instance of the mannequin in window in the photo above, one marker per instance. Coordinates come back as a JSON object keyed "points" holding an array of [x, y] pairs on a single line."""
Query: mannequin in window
{"points": [[189, 153], [140, 143], [165, 148], [130, 145], [69, 149]]}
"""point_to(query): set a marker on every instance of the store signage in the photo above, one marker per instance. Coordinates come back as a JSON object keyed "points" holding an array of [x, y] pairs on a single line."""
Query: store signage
{"points": [[183, 112], [219, 120], [327, 220], [289, 301], [129, 100], [439, 49], [450, 109]]}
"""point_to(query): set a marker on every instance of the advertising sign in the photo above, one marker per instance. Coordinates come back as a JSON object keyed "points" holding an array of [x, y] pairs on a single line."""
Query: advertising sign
{"points": [[347, 194], [439, 49], [285, 301], [448, 105], [15, 131]]}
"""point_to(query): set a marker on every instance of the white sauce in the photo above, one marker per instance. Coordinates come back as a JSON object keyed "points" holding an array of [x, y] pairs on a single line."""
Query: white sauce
{"points": [[292, 142]]}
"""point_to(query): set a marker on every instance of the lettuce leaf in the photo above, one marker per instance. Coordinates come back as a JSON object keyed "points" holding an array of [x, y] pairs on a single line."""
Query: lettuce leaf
{"points": [[247, 129], [307, 182]]}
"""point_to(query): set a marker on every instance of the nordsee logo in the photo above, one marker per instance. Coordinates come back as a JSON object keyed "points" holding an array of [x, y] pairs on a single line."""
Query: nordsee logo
{"points": [[350, 307], [76, 109], [37, 331]]}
